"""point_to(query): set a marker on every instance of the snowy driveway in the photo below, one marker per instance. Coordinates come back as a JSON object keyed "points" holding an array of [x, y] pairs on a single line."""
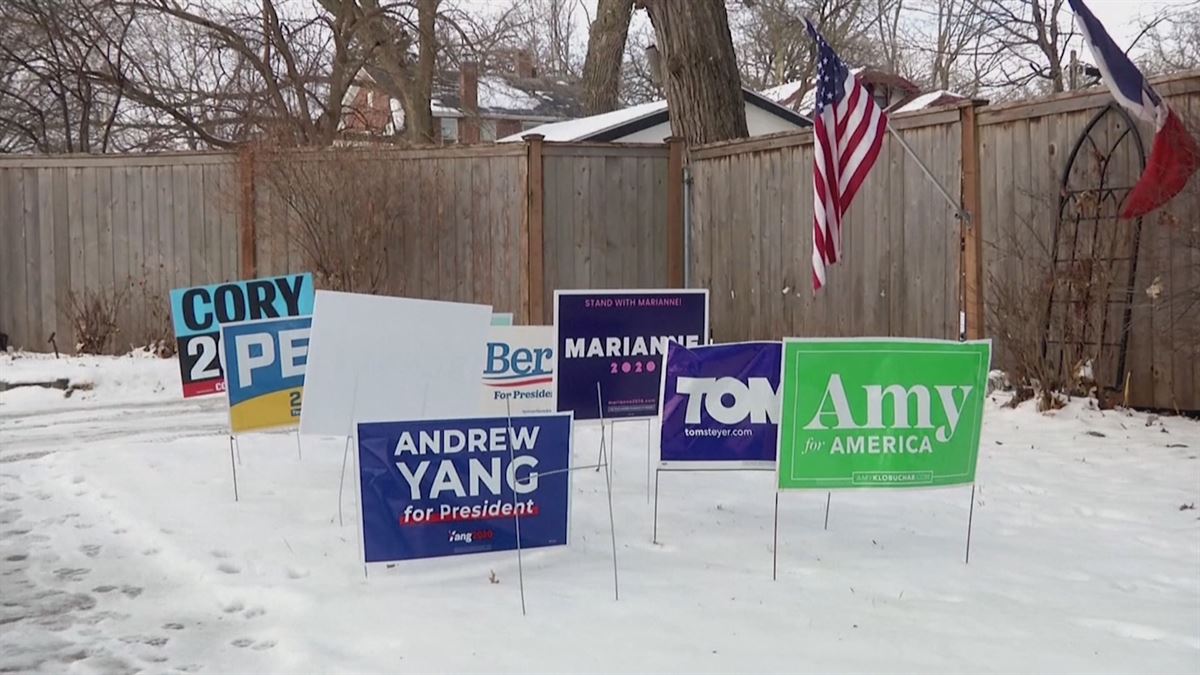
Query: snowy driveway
{"points": [[121, 549]]}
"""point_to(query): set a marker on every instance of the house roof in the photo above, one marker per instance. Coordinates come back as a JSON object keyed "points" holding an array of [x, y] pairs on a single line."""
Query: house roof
{"points": [[789, 94], [931, 100], [613, 125], [501, 95]]}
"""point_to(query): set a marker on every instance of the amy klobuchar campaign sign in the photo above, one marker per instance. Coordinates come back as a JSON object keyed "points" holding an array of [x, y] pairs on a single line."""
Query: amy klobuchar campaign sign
{"points": [[721, 405], [617, 339], [434, 488]]}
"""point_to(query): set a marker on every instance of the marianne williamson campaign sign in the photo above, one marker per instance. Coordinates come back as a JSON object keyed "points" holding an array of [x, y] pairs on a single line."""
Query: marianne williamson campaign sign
{"points": [[720, 405], [198, 312], [617, 339], [264, 372], [436, 488]]}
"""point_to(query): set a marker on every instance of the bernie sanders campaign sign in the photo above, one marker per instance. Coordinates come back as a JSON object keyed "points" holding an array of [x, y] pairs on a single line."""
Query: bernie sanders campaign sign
{"points": [[617, 339], [264, 372], [519, 375], [435, 488], [199, 312], [720, 405]]}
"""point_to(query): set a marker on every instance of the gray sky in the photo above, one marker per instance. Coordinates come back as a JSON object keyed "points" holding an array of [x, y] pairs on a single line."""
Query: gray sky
{"points": [[1120, 17]]}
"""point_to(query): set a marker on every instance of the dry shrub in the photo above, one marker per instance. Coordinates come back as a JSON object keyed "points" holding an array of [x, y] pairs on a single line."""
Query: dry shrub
{"points": [[1057, 323], [341, 203], [158, 334], [94, 317]]}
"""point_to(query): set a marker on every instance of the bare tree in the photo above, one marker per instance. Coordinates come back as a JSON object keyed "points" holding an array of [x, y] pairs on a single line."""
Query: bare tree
{"points": [[547, 29], [606, 45], [640, 72], [774, 46], [1172, 40], [700, 72], [51, 101], [1028, 40]]}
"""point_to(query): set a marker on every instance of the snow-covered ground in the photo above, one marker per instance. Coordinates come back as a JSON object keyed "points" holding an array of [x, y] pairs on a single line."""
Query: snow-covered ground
{"points": [[121, 549]]}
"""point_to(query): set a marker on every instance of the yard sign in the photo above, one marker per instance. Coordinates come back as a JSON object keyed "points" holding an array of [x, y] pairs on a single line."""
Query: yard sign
{"points": [[197, 314], [871, 413], [264, 372]]}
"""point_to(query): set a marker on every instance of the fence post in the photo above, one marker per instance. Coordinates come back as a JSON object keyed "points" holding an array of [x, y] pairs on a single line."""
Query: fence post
{"points": [[675, 222], [247, 231], [972, 232], [533, 279]]}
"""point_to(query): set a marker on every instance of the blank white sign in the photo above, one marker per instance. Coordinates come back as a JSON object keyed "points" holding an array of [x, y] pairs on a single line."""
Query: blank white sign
{"points": [[379, 358]]}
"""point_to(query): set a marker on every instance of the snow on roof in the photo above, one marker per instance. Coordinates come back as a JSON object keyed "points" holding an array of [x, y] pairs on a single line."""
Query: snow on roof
{"points": [[586, 127], [494, 92], [788, 94], [927, 100], [781, 92]]}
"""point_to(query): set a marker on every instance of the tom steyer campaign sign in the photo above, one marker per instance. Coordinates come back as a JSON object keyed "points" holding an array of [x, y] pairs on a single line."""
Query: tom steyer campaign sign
{"points": [[616, 339], [720, 405], [433, 488]]}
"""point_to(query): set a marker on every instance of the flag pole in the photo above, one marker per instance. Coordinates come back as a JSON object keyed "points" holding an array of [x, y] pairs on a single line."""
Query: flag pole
{"points": [[959, 211]]}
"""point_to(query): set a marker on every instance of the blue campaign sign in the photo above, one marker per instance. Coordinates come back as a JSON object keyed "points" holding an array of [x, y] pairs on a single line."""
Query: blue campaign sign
{"points": [[433, 488], [264, 372], [720, 405], [617, 339], [197, 314]]}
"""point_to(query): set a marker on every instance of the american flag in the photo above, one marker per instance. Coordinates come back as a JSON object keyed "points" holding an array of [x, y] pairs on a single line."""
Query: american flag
{"points": [[848, 129]]}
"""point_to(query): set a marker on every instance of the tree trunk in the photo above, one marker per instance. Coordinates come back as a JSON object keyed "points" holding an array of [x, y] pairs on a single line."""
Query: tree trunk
{"points": [[419, 120], [700, 73], [606, 47]]}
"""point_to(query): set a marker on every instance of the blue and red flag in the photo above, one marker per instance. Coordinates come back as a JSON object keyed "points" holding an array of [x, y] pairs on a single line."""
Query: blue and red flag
{"points": [[1174, 156]]}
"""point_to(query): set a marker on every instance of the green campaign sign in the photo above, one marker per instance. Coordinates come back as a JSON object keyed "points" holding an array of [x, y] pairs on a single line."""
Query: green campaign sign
{"points": [[870, 413]]}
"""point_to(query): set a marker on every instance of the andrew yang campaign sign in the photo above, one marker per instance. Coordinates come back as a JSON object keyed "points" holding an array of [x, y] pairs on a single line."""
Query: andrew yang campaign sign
{"points": [[264, 372], [617, 339], [518, 376], [198, 312], [436, 488], [720, 405]]}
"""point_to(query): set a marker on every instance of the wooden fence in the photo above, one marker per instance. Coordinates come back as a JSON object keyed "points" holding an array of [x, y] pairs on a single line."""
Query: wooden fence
{"points": [[508, 224], [473, 228], [1025, 150], [751, 239], [139, 224]]}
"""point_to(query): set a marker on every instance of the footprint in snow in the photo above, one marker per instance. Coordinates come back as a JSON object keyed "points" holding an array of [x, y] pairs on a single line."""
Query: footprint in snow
{"points": [[150, 551], [228, 568], [131, 591], [10, 497], [150, 640], [234, 606], [70, 573], [218, 553], [254, 612], [296, 572], [104, 589], [262, 645], [90, 550], [173, 626], [16, 557], [77, 480], [242, 642]]}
